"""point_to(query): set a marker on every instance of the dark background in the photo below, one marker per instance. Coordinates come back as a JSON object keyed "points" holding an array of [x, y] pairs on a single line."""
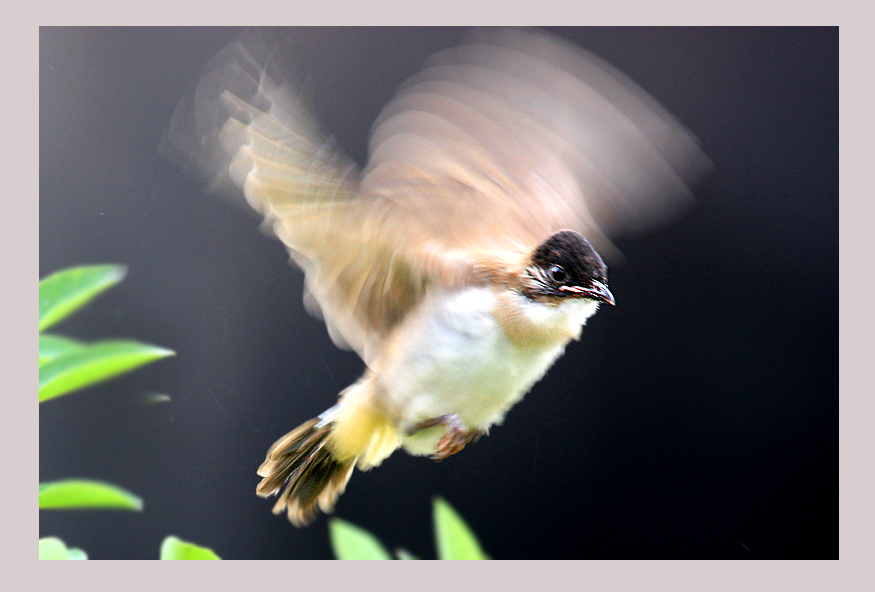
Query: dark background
{"points": [[696, 419]]}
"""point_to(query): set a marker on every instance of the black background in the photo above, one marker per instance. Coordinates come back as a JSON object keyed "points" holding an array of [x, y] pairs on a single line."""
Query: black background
{"points": [[696, 419]]}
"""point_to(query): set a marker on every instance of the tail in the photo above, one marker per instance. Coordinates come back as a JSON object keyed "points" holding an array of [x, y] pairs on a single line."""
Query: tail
{"points": [[310, 466]]}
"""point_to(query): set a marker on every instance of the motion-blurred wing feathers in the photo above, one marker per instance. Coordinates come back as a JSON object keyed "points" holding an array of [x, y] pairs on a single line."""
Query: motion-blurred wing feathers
{"points": [[494, 146]]}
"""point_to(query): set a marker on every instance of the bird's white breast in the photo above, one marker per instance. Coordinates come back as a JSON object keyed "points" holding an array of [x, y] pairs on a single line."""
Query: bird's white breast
{"points": [[453, 356]]}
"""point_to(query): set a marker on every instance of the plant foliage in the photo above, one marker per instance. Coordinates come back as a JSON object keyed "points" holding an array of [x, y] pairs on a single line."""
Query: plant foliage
{"points": [[453, 538], [67, 365]]}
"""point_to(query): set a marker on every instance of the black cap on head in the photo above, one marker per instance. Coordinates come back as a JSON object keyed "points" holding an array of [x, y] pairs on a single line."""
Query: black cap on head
{"points": [[566, 265]]}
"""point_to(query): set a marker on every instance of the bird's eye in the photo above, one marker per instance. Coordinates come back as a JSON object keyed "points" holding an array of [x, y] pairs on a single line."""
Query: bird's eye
{"points": [[556, 273]]}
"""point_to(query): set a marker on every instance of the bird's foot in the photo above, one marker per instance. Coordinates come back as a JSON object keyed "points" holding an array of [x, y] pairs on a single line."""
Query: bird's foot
{"points": [[457, 437]]}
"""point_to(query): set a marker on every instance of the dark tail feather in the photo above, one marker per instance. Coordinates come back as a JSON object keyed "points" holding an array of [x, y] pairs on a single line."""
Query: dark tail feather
{"points": [[301, 468]]}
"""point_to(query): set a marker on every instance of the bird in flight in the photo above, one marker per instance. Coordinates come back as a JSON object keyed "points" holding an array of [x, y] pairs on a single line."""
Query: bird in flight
{"points": [[464, 257]]}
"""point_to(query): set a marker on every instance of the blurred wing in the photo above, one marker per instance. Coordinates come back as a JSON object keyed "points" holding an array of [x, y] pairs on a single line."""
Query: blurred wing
{"points": [[483, 155], [542, 136], [244, 126]]}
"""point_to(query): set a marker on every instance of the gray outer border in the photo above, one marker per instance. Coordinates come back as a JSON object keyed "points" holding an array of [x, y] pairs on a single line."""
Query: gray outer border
{"points": [[855, 44]]}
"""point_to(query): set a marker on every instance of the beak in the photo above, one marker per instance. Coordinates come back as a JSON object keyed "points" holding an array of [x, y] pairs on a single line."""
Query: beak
{"points": [[596, 291]]}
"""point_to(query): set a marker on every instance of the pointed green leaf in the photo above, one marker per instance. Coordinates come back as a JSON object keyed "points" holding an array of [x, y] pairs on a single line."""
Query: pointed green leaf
{"points": [[94, 364], [55, 346], [405, 554], [351, 542], [64, 292], [85, 494], [174, 548], [455, 540]]}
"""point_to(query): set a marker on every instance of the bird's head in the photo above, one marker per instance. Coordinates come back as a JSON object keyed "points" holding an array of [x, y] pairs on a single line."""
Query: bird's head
{"points": [[565, 266]]}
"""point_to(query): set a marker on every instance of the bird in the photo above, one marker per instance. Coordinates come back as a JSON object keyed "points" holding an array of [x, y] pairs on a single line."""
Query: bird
{"points": [[465, 255]]}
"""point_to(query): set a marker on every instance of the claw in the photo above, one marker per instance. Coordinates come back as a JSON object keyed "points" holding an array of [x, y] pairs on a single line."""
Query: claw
{"points": [[457, 437]]}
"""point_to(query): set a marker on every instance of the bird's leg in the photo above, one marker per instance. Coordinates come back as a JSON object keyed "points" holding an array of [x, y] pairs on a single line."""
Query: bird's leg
{"points": [[457, 437]]}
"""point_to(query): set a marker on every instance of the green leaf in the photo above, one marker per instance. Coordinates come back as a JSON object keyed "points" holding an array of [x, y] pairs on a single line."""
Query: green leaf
{"points": [[405, 554], [85, 494], [94, 364], [351, 542], [54, 548], [174, 548], [64, 292], [76, 554], [455, 540], [55, 346]]}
